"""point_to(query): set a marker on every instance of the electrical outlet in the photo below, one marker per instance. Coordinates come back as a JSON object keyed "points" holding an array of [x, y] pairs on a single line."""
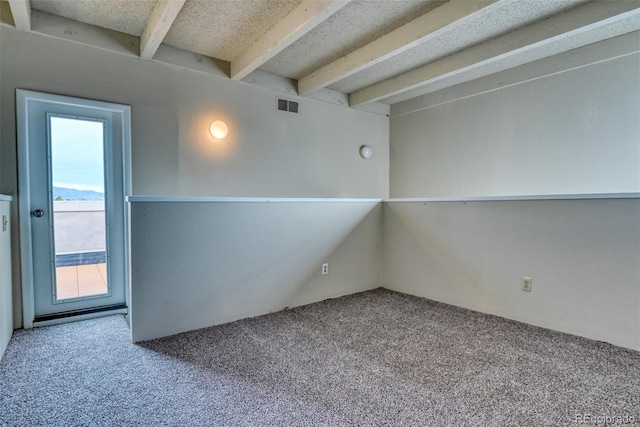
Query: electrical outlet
{"points": [[325, 269], [526, 284]]}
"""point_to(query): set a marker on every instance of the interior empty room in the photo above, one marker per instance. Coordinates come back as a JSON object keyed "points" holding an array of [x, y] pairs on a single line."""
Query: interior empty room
{"points": [[319, 212]]}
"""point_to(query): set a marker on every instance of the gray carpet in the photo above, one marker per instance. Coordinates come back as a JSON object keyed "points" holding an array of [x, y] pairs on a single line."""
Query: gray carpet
{"points": [[378, 358]]}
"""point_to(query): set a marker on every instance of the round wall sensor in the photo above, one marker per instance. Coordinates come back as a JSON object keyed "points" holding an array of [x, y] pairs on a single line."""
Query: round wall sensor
{"points": [[366, 152]]}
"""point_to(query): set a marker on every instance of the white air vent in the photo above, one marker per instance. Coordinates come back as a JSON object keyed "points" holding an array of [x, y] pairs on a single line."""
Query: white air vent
{"points": [[286, 105]]}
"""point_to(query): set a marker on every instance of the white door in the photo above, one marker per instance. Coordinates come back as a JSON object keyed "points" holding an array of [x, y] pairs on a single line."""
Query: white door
{"points": [[72, 206]]}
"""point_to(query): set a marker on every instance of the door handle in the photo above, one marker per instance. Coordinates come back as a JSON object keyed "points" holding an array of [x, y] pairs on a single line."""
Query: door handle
{"points": [[38, 213]]}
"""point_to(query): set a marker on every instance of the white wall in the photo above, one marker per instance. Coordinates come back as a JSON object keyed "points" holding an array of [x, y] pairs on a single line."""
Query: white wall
{"points": [[583, 257], [527, 131], [267, 153], [199, 264], [565, 125], [573, 132], [6, 305]]}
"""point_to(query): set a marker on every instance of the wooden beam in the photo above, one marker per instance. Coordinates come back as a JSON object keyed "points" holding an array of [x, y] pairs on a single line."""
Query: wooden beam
{"points": [[158, 26], [522, 44], [304, 18], [21, 12], [412, 34]]}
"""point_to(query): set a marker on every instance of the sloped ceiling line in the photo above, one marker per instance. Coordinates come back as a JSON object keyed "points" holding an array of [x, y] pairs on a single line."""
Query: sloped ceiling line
{"points": [[420, 30], [554, 30], [441, 44]]}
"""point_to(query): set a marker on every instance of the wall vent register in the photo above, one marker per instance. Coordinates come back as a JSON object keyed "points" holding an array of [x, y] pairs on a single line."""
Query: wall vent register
{"points": [[286, 105]]}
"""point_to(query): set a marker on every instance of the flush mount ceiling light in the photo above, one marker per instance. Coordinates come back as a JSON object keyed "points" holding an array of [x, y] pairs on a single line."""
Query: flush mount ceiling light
{"points": [[366, 152], [219, 129]]}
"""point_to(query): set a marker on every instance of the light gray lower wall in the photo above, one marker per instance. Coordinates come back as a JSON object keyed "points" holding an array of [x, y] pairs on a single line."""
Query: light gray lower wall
{"points": [[583, 257], [200, 264]]}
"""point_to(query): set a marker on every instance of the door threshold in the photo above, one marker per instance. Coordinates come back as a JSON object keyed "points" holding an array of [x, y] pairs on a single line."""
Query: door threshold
{"points": [[74, 316]]}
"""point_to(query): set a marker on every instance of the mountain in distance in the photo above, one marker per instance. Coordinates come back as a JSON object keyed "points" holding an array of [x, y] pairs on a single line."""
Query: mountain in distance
{"points": [[60, 193]]}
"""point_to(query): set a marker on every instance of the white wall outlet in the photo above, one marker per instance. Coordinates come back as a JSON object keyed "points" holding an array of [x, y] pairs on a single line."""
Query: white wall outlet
{"points": [[325, 269], [526, 284]]}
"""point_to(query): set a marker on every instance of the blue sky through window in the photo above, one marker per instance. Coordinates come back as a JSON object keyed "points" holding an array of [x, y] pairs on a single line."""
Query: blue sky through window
{"points": [[77, 154]]}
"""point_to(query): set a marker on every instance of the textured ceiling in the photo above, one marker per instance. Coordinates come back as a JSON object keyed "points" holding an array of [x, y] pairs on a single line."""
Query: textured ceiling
{"points": [[369, 49], [223, 28], [493, 21], [356, 25], [125, 16]]}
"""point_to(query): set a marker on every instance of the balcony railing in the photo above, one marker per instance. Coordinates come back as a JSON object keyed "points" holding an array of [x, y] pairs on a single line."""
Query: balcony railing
{"points": [[79, 232]]}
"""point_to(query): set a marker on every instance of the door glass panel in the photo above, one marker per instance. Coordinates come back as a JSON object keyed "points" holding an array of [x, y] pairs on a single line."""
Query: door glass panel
{"points": [[79, 222]]}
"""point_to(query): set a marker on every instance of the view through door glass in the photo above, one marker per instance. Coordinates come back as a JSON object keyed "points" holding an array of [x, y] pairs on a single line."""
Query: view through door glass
{"points": [[78, 192]]}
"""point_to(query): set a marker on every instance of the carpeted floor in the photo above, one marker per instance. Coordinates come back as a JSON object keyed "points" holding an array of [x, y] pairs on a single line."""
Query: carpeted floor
{"points": [[378, 358]]}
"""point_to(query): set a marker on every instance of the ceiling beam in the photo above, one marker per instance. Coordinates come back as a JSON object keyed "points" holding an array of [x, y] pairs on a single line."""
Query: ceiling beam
{"points": [[410, 35], [21, 12], [158, 26], [523, 43], [304, 18]]}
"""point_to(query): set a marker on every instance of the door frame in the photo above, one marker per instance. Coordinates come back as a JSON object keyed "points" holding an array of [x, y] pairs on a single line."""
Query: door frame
{"points": [[23, 99]]}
